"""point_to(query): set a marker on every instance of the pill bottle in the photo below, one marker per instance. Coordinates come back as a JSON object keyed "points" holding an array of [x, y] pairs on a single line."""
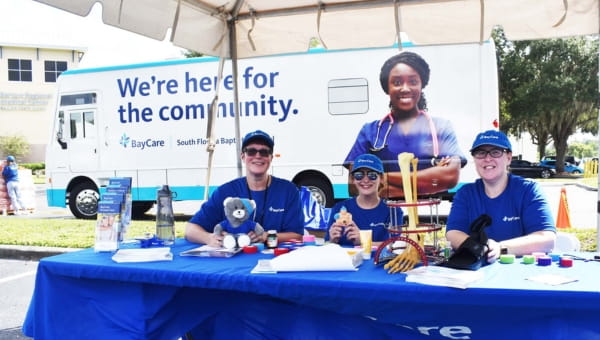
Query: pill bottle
{"points": [[272, 239]]}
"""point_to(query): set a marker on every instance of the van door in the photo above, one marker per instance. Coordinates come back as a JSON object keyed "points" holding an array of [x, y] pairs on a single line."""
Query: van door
{"points": [[77, 132], [83, 136]]}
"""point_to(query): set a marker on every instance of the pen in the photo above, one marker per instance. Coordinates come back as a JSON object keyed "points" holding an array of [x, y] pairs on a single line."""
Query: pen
{"points": [[574, 257]]}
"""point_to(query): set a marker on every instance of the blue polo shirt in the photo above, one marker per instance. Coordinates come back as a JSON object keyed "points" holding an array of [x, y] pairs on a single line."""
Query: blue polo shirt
{"points": [[277, 208], [520, 210]]}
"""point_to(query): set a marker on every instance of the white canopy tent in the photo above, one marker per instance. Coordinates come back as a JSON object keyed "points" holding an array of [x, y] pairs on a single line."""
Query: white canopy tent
{"points": [[261, 27], [246, 28]]}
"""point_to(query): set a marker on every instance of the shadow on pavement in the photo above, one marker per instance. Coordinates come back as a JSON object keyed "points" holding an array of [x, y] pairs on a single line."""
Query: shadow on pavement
{"points": [[12, 334]]}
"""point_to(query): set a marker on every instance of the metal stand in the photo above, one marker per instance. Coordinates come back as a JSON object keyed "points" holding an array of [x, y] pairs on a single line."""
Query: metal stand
{"points": [[396, 244]]}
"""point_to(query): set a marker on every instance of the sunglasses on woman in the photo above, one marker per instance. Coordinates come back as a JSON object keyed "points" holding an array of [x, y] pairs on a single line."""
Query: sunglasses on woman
{"points": [[359, 175], [262, 152]]}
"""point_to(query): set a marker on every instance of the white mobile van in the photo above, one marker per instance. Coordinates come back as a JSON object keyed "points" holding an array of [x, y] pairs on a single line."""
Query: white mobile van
{"points": [[148, 121]]}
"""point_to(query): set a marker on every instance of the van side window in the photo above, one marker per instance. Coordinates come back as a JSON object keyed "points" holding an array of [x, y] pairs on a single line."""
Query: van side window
{"points": [[78, 99], [348, 96], [82, 124]]}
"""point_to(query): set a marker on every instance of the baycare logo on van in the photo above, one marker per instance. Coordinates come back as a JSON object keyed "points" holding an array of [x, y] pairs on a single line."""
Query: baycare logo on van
{"points": [[147, 143]]}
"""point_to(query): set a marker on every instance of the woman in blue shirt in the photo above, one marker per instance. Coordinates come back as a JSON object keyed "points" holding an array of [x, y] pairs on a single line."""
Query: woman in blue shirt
{"points": [[369, 211], [522, 222], [277, 200], [408, 127]]}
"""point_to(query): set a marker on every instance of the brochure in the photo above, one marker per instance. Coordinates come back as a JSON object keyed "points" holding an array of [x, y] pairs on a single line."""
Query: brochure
{"points": [[143, 255], [208, 251], [107, 226], [443, 276], [122, 186]]}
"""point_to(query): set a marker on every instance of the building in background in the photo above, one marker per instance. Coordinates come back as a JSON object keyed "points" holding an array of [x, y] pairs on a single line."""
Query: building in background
{"points": [[28, 76]]}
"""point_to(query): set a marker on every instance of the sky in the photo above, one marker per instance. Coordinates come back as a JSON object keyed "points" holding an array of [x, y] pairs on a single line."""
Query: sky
{"points": [[34, 23]]}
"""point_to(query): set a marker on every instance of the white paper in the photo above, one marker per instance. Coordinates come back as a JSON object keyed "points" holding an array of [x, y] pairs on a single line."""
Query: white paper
{"points": [[443, 276], [143, 255], [330, 257], [263, 267], [551, 279]]}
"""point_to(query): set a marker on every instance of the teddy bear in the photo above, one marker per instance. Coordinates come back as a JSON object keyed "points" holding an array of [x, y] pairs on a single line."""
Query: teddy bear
{"points": [[343, 217], [238, 222]]}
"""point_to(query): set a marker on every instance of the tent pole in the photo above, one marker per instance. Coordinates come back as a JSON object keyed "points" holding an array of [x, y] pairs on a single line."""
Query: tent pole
{"points": [[598, 175], [236, 103]]}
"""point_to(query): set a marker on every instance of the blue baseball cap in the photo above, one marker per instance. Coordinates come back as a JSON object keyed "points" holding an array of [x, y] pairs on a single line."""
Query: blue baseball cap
{"points": [[258, 136], [492, 137], [10, 159], [368, 161]]}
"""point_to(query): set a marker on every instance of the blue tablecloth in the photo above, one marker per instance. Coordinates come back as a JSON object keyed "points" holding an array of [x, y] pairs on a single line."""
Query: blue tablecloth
{"points": [[85, 295]]}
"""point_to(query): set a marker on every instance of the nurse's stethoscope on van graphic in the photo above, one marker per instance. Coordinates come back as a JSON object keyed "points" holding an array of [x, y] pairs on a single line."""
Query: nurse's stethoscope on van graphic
{"points": [[381, 141]]}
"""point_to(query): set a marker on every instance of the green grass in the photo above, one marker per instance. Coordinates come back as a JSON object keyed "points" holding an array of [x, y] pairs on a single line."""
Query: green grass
{"points": [[74, 233], [63, 232], [587, 237]]}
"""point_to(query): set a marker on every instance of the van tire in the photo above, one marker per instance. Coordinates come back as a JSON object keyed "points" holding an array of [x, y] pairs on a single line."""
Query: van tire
{"points": [[139, 209], [320, 188], [83, 201]]}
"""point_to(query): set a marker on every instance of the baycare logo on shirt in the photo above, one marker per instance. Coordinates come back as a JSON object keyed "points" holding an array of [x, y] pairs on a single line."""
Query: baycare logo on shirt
{"points": [[276, 210], [511, 218], [143, 144]]}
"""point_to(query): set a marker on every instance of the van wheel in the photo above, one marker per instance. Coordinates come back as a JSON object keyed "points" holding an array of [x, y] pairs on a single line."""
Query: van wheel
{"points": [[139, 209], [83, 201], [320, 189]]}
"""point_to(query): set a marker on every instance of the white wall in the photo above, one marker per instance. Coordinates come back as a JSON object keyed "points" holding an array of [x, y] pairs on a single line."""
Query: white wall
{"points": [[26, 107]]}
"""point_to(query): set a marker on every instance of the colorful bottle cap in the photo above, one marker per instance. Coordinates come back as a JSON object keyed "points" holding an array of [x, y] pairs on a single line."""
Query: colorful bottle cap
{"points": [[279, 251], [538, 254], [507, 258], [555, 257], [309, 240], [566, 261], [250, 249], [544, 260], [259, 246], [528, 259]]}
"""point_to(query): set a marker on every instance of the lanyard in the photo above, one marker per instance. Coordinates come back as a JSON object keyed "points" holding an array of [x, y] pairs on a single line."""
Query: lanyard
{"points": [[265, 195]]}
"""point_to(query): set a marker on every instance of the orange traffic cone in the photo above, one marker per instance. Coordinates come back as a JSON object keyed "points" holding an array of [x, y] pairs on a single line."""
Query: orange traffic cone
{"points": [[564, 218]]}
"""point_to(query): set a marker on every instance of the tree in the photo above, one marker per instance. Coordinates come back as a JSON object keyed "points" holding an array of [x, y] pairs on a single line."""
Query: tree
{"points": [[548, 88], [587, 149], [192, 54], [14, 145]]}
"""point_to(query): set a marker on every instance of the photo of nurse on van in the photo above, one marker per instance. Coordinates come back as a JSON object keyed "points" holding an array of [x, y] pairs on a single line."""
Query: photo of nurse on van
{"points": [[409, 127]]}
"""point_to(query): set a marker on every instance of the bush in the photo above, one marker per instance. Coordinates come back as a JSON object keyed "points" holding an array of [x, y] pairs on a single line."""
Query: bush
{"points": [[14, 145], [34, 167]]}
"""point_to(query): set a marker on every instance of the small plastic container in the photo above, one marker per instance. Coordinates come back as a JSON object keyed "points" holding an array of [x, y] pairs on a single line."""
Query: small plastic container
{"points": [[272, 239]]}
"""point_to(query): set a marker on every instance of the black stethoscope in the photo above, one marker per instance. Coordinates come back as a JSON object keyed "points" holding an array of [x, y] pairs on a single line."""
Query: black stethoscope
{"points": [[390, 117]]}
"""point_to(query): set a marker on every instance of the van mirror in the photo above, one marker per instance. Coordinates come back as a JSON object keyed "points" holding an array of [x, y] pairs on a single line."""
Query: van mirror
{"points": [[59, 133]]}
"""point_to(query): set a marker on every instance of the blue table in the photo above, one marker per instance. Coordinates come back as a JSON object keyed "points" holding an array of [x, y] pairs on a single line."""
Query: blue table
{"points": [[85, 295]]}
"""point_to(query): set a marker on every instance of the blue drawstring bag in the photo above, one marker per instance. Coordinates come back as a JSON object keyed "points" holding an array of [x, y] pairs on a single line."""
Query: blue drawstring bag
{"points": [[315, 215]]}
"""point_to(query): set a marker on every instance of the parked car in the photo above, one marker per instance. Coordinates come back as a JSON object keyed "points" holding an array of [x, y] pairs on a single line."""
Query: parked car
{"points": [[570, 159], [528, 169], [570, 168]]}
